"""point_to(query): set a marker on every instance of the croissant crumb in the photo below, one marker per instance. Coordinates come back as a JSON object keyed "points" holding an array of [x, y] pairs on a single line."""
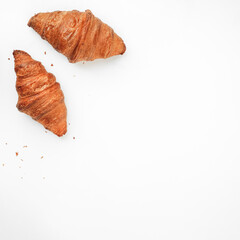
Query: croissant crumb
{"points": [[39, 95], [80, 36]]}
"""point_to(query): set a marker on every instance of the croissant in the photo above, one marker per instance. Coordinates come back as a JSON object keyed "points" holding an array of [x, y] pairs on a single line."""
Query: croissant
{"points": [[80, 36], [39, 95]]}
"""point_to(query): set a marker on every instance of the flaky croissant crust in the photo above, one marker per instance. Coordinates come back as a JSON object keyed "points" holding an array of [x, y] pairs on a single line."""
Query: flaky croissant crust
{"points": [[39, 95], [80, 36]]}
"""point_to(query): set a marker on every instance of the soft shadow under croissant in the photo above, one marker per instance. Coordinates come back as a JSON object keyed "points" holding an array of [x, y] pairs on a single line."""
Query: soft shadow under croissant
{"points": [[80, 36], [39, 95]]}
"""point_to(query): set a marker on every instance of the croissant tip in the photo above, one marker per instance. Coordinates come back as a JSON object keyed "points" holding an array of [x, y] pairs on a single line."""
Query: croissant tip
{"points": [[29, 22], [124, 49], [16, 52], [88, 11], [59, 133]]}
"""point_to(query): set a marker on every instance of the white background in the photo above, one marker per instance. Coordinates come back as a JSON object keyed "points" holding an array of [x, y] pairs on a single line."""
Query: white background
{"points": [[156, 154]]}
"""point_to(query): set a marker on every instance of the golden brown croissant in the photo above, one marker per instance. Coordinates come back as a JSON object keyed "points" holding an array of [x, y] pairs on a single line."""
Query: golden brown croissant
{"points": [[80, 36], [39, 95]]}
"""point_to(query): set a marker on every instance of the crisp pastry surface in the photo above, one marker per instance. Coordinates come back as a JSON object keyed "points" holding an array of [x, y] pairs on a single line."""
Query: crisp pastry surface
{"points": [[80, 36], [39, 95]]}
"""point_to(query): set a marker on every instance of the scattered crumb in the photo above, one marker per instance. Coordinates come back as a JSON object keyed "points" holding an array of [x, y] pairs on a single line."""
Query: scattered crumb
{"points": [[83, 62], [5, 143], [19, 166], [16, 154], [41, 157], [25, 146], [8, 58], [21, 177], [21, 160], [51, 65], [3, 164], [45, 53], [73, 137], [74, 75], [69, 124], [45, 131], [44, 178]]}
